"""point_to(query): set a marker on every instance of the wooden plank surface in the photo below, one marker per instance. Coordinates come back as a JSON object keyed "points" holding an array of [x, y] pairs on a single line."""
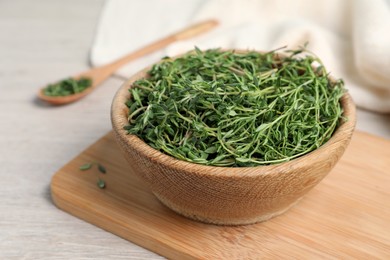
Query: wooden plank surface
{"points": [[346, 215]]}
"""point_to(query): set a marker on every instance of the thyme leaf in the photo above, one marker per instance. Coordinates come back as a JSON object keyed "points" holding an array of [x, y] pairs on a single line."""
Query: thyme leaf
{"points": [[101, 183], [85, 167], [101, 168]]}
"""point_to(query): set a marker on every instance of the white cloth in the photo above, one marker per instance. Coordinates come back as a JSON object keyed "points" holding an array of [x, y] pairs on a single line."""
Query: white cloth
{"points": [[352, 37]]}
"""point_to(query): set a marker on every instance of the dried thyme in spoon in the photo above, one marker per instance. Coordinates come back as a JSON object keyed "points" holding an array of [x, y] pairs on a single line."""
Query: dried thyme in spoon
{"points": [[226, 108], [67, 87]]}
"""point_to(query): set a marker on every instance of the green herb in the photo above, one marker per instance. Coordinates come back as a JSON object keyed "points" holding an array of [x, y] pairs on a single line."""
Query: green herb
{"points": [[86, 166], [101, 184], [101, 168], [225, 108], [67, 87]]}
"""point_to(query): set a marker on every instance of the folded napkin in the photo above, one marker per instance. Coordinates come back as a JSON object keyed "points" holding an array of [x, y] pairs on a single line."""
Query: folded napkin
{"points": [[352, 37]]}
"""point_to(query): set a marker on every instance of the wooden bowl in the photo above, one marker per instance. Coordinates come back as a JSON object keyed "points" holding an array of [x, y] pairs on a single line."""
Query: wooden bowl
{"points": [[228, 195]]}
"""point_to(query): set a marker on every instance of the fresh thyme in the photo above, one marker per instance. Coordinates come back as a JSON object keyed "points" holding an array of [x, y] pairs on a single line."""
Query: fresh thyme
{"points": [[101, 168], [226, 108], [86, 166], [100, 182], [67, 87]]}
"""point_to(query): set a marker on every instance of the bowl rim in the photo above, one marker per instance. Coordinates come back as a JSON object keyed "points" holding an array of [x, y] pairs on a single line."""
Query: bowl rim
{"points": [[119, 114]]}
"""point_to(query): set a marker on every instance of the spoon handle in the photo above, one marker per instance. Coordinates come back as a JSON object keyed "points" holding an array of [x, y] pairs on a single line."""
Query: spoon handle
{"points": [[99, 74]]}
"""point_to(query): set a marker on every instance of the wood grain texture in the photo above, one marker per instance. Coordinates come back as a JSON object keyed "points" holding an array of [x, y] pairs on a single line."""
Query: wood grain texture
{"points": [[346, 216], [228, 195]]}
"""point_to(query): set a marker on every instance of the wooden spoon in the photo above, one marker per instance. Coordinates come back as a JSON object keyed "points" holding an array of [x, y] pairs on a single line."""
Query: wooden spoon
{"points": [[99, 74]]}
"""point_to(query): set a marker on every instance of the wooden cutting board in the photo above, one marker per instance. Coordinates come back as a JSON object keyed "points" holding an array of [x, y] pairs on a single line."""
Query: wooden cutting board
{"points": [[346, 216]]}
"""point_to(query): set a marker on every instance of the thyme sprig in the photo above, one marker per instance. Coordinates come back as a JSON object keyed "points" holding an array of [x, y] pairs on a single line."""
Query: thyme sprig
{"points": [[226, 108]]}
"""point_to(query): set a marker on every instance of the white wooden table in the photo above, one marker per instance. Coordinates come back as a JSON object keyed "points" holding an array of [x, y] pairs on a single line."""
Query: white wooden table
{"points": [[42, 41]]}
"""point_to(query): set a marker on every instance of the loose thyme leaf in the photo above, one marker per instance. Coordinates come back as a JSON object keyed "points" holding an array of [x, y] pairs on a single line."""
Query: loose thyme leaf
{"points": [[225, 108], [86, 166], [101, 183], [101, 168]]}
